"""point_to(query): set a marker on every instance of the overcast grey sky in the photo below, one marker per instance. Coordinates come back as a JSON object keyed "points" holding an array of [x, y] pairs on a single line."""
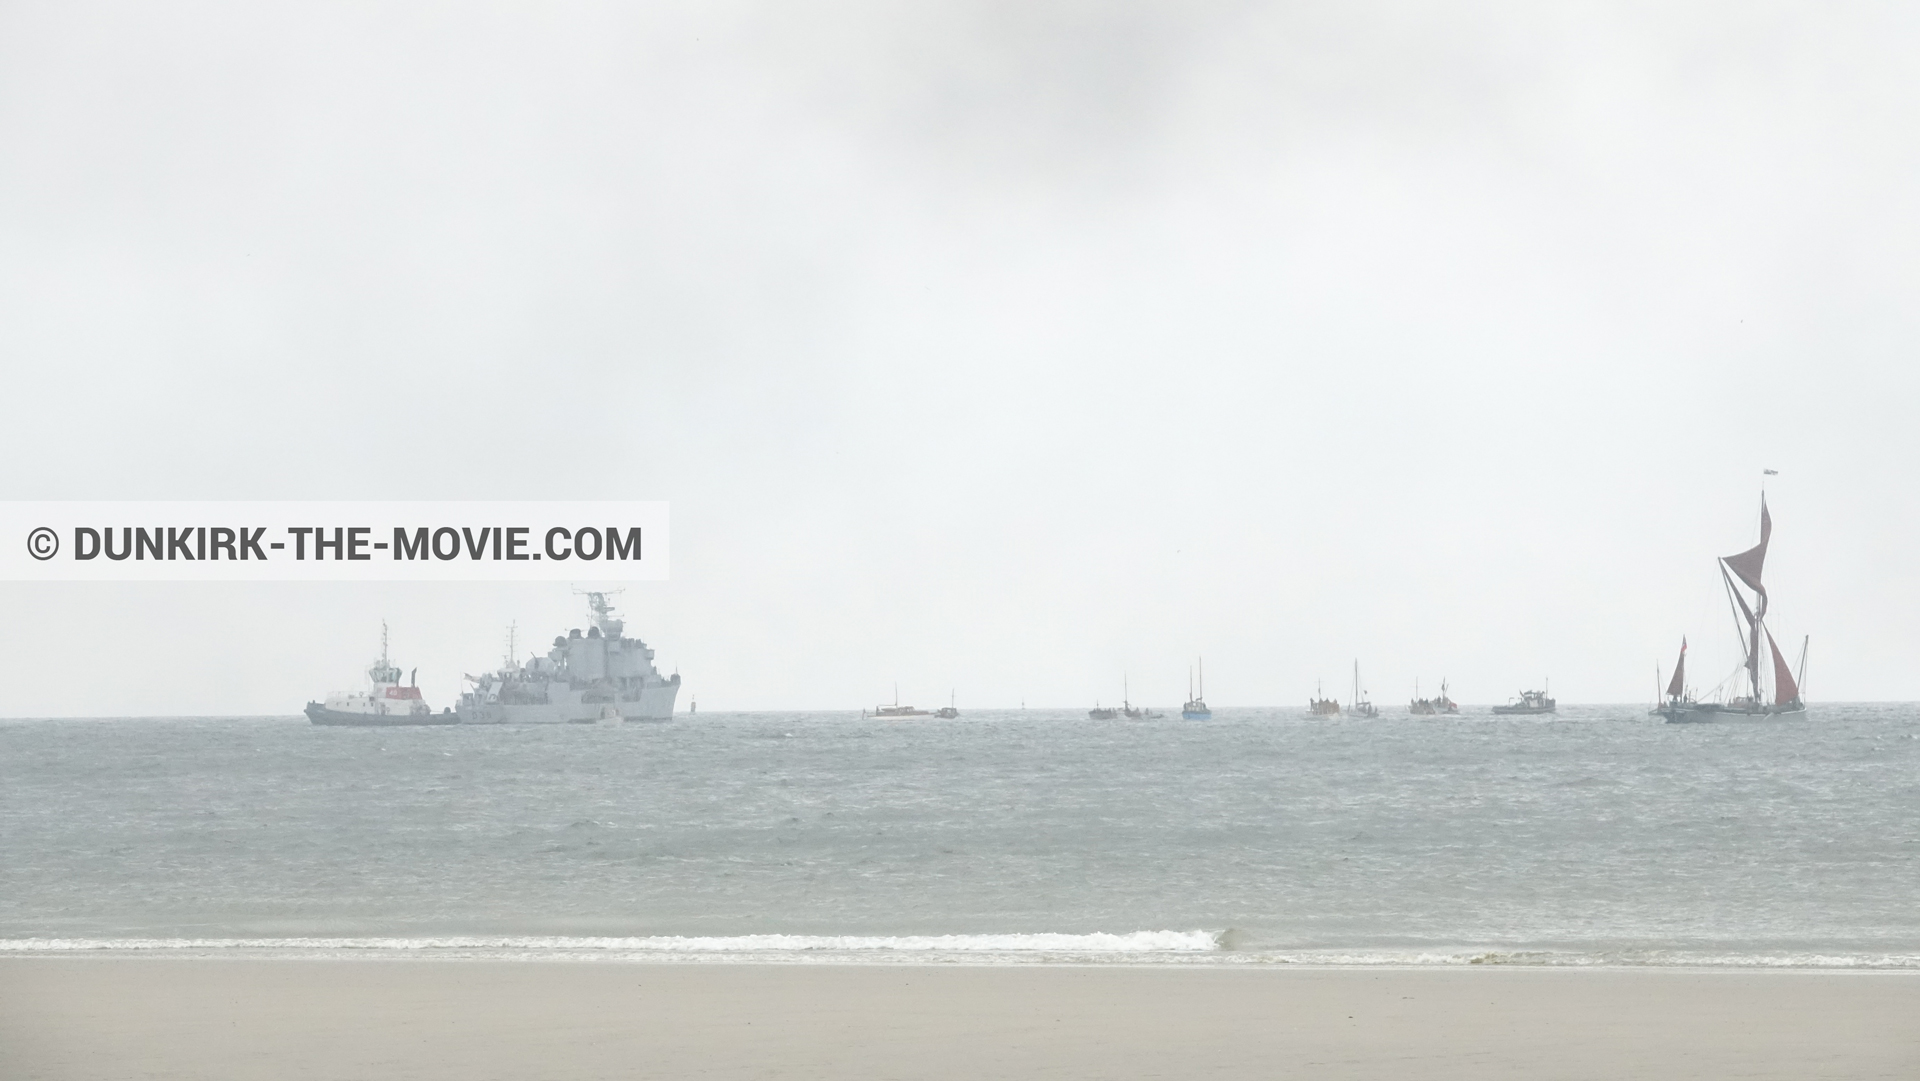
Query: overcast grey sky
{"points": [[999, 347]]}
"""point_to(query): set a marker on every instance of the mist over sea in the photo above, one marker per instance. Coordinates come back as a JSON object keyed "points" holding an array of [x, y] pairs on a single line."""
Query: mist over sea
{"points": [[1598, 836]]}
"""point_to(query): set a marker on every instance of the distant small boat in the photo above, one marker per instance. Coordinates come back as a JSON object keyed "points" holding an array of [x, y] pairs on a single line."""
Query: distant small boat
{"points": [[1362, 706], [897, 710], [1322, 707], [1678, 706], [1196, 707], [1126, 705], [947, 712], [1101, 713], [1432, 707], [1529, 702]]}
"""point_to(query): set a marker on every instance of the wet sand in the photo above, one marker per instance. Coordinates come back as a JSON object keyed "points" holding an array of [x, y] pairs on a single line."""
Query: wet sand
{"points": [[69, 1019]]}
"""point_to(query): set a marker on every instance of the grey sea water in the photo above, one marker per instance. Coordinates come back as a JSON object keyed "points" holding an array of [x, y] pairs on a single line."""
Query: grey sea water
{"points": [[1598, 836]]}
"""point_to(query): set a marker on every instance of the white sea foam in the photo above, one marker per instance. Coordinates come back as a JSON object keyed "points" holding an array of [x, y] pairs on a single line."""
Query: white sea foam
{"points": [[1138, 947], [1097, 943], [1582, 959]]}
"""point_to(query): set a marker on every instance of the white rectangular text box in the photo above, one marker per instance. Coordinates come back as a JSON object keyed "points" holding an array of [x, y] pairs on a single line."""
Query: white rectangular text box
{"points": [[56, 541]]}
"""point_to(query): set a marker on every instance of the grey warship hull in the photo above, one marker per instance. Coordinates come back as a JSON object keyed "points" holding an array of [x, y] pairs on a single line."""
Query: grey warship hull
{"points": [[567, 705]]}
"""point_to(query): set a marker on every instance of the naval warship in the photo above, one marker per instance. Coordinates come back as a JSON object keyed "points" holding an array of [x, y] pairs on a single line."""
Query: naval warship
{"points": [[601, 677]]}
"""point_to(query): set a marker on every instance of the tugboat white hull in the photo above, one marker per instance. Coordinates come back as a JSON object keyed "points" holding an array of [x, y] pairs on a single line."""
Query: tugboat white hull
{"points": [[321, 715], [383, 704]]}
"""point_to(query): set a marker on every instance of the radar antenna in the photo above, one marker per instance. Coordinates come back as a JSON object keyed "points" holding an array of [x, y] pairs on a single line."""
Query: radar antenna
{"points": [[602, 610], [383, 670]]}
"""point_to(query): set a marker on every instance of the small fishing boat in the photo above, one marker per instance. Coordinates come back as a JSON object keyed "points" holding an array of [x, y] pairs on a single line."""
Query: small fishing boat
{"points": [[1126, 705], [896, 711], [1529, 703], [1678, 706], [1320, 706], [947, 712], [1101, 713], [1196, 707], [1432, 707], [1362, 705]]}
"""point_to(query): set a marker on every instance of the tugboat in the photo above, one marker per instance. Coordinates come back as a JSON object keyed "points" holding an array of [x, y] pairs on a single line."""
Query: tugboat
{"points": [[1362, 705], [1744, 568], [1322, 707], [1529, 703], [1432, 707], [384, 703], [1196, 707]]}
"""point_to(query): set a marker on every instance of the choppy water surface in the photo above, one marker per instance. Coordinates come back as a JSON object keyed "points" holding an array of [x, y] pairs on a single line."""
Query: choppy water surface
{"points": [[1599, 836]]}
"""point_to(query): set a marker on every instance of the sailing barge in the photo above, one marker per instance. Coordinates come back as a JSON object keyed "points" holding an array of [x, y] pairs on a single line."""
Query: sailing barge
{"points": [[1751, 692]]}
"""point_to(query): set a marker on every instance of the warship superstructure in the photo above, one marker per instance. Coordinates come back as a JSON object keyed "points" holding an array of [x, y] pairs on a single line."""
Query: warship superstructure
{"points": [[600, 677], [385, 701]]}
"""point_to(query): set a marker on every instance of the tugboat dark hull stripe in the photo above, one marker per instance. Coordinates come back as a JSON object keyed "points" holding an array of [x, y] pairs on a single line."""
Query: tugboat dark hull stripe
{"points": [[319, 714]]}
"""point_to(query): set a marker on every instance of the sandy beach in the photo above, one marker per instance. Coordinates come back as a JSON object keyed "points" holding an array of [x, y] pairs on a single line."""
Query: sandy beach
{"points": [[80, 1019]]}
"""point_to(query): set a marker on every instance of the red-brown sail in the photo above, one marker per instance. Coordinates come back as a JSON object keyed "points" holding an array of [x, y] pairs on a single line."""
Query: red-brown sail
{"points": [[1785, 690], [1679, 684], [1747, 564]]}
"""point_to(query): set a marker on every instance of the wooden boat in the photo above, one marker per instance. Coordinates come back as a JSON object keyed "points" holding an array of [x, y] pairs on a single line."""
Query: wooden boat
{"points": [[1529, 703], [1432, 707], [1361, 705], [1196, 707], [896, 711], [1753, 691], [1320, 706]]}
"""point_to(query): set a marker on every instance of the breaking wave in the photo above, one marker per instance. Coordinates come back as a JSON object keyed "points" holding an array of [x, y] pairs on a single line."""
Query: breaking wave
{"points": [[1095, 944], [1137, 947]]}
